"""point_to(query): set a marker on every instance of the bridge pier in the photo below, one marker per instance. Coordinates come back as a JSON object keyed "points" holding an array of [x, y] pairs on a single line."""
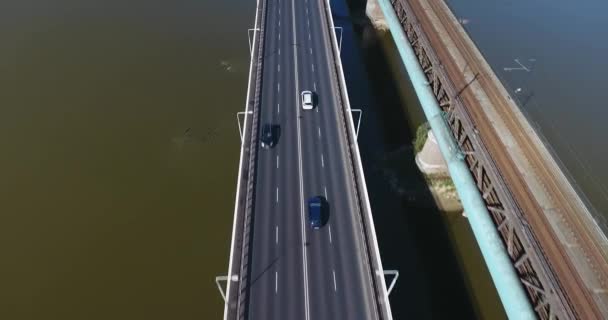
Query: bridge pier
{"points": [[375, 15], [430, 161]]}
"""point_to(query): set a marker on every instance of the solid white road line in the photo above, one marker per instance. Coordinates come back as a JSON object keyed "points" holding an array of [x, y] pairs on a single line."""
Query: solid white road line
{"points": [[329, 226], [322, 161], [276, 281], [335, 287], [276, 237], [277, 161], [305, 262]]}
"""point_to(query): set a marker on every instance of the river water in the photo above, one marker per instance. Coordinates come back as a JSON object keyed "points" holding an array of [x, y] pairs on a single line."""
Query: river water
{"points": [[442, 272], [563, 45], [119, 151]]}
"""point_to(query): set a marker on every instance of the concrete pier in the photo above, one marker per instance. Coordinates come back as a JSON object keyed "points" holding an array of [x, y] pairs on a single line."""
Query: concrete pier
{"points": [[375, 15], [429, 159]]}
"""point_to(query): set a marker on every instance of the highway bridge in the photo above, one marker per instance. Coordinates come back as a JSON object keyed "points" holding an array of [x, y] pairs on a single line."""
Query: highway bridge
{"points": [[547, 258], [281, 268]]}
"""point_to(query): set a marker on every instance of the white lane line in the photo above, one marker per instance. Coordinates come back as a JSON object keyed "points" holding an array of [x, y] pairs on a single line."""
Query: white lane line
{"points": [[278, 87], [313, 67], [319, 132], [309, 36], [322, 161], [279, 36], [302, 225], [310, 50], [279, 23], [306, 10], [277, 194], [277, 234], [276, 281], [314, 86], [325, 191], [335, 286], [279, 51], [308, 22], [279, 67], [277, 161], [278, 108], [329, 226]]}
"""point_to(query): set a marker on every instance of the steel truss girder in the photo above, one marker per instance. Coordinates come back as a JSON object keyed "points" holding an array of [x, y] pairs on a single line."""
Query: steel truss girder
{"points": [[536, 275]]}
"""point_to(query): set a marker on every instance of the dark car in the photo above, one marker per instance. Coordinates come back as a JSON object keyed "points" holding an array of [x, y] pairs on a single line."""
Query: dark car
{"points": [[267, 136], [317, 211]]}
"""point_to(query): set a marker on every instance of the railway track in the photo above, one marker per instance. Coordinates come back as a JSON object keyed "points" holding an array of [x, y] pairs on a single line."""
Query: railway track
{"points": [[570, 243]]}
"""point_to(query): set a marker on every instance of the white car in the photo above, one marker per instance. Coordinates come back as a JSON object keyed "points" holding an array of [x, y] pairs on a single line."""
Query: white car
{"points": [[307, 100]]}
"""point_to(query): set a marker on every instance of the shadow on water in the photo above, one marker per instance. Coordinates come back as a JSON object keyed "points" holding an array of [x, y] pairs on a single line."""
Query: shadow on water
{"points": [[411, 231]]}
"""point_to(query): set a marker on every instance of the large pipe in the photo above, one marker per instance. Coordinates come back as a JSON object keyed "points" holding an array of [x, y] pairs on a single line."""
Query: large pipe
{"points": [[510, 290]]}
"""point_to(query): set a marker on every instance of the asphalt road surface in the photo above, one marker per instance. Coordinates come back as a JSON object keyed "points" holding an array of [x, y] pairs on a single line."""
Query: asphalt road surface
{"points": [[297, 272]]}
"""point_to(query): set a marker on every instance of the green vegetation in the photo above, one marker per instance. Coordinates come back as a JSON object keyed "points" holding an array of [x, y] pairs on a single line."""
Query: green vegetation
{"points": [[443, 182], [421, 135]]}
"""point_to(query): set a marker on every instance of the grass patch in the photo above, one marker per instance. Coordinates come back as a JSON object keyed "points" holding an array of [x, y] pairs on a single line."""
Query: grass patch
{"points": [[421, 135]]}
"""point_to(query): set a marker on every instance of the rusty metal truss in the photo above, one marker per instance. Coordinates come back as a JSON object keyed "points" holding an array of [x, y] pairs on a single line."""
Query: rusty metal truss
{"points": [[535, 273]]}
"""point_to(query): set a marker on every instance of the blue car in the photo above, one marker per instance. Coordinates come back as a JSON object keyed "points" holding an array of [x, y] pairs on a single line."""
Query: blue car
{"points": [[317, 209]]}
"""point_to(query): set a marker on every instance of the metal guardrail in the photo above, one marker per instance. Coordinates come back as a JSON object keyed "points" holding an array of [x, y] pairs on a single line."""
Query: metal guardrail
{"points": [[372, 252], [235, 305]]}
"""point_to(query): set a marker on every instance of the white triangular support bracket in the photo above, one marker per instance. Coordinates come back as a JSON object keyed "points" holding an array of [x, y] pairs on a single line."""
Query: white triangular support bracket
{"points": [[339, 41], [391, 273], [250, 37], [238, 120], [358, 122], [234, 278]]}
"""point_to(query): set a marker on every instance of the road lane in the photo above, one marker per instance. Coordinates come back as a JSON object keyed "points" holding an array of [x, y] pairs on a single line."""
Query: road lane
{"points": [[325, 277]]}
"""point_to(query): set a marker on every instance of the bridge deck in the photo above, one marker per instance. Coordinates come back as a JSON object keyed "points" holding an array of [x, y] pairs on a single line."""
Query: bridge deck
{"points": [[293, 271]]}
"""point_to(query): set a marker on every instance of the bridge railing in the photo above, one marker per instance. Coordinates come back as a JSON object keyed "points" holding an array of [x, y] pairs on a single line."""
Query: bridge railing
{"points": [[236, 291], [372, 252]]}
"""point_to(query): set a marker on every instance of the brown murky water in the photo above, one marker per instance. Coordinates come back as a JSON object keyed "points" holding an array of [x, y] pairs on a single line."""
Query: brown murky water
{"points": [[110, 208]]}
